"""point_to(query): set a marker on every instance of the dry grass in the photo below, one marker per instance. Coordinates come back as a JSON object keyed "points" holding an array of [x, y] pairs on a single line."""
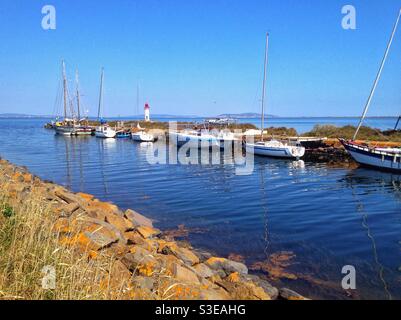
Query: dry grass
{"points": [[28, 244]]}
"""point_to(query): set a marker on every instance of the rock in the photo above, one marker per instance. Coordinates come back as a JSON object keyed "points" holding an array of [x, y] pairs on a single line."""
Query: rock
{"points": [[186, 255], [204, 271], [144, 283], [226, 265], [244, 290], [98, 239], [68, 209], [141, 261], [103, 207], [147, 232], [106, 225], [288, 294], [133, 237], [138, 219], [65, 195], [94, 238], [119, 222], [85, 196], [202, 255], [265, 285], [234, 277], [184, 274], [119, 276]]}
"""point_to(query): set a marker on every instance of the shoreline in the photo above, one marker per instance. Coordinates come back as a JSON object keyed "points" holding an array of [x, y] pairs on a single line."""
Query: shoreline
{"points": [[146, 263]]}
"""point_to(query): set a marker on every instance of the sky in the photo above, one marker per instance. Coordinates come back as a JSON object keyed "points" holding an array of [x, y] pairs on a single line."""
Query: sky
{"points": [[201, 58]]}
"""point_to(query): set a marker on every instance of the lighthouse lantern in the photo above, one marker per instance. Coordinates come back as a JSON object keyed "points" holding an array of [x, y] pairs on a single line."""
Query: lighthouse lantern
{"points": [[147, 112]]}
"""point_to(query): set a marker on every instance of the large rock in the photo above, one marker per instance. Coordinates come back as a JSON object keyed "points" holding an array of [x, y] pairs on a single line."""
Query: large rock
{"points": [[141, 261], [119, 222], [138, 219], [244, 290], [228, 266], [288, 294], [184, 274], [203, 270], [133, 237], [66, 196], [264, 284], [147, 232], [184, 254]]}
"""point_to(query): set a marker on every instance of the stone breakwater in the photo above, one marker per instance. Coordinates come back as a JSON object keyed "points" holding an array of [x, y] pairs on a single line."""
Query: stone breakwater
{"points": [[146, 264]]}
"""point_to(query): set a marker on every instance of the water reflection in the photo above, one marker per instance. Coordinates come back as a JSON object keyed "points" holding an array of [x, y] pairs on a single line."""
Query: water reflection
{"points": [[371, 180], [388, 183]]}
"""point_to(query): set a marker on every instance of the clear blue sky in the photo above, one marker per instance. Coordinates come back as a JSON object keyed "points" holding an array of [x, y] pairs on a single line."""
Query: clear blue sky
{"points": [[201, 57]]}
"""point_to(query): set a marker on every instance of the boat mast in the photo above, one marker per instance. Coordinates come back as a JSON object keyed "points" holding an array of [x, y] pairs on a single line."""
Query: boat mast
{"points": [[264, 87], [100, 94], [365, 111], [65, 90], [78, 95], [137, 99]]}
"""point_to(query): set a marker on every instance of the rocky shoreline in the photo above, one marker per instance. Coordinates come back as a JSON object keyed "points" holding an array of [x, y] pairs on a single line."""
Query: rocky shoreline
{"points": [[146, 263]]}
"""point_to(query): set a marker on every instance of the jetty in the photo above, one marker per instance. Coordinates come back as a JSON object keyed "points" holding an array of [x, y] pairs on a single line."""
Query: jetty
{"points": [[98, 251]]}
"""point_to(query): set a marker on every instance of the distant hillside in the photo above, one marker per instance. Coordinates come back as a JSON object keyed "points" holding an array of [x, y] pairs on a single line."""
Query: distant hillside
{"points": [[244, 115], [22, 116]]}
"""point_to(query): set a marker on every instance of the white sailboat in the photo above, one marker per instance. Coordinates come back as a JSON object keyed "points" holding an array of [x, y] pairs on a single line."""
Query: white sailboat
{"points": [[272, 148], [104, 130], [142, 136], [387, 159]]}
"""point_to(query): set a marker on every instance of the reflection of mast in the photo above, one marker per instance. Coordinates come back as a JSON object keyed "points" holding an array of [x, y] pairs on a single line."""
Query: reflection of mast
{"points": [[101, 158], [365, 225], [266, 236], [68, 160]]}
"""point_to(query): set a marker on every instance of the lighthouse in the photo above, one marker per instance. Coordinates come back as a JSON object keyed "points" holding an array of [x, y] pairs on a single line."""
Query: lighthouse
{"points": [[147, 112]]}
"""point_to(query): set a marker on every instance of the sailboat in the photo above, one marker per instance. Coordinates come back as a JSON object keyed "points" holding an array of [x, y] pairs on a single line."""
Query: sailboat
{"points": [[65, 127], [104, 130], [387, 159], [272, 148], [141, 135], [82, 127]]}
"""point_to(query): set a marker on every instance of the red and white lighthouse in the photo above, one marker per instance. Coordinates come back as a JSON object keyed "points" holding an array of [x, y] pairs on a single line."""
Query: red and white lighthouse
{"points": [[147, 112]]}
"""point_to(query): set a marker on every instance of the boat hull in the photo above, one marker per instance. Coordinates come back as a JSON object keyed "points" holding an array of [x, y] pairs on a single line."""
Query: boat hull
{"points": [[372, 158], [64, 131], [142, 137], [194, 141], [287, 152]]}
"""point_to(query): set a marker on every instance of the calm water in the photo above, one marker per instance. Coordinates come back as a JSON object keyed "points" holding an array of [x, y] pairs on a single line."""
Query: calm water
{"points": [[327, 217]]}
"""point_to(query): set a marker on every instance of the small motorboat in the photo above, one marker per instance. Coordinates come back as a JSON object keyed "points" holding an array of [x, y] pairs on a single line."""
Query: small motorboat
{"points": [[142, 136], [274, 148], [105, 131]]}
